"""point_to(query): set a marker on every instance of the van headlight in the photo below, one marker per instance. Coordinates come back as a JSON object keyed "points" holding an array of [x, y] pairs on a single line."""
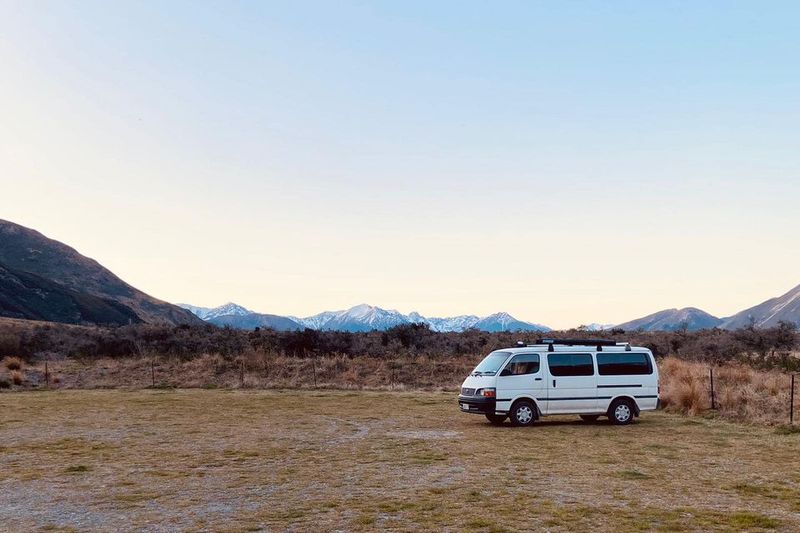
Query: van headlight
{"points": [[488, 392]]}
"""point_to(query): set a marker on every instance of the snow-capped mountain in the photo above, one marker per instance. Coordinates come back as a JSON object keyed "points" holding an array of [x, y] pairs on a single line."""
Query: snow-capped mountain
{"points": [[197, 311], [209, 313], [453, 323], [506, 322], [362, 317], [594, 326], [315, 321]]}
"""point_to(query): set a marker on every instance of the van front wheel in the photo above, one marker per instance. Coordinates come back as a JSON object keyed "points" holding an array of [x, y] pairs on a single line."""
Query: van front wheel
{"points": [[496, 420], [523, 413], [621, 412]]}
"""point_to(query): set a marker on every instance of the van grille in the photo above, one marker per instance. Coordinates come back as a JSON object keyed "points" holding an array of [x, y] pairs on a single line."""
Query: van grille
{"points": [[467, 392]]}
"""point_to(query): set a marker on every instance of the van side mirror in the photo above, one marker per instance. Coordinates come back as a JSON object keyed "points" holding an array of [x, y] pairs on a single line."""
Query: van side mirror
{"points": [[505, 372]]}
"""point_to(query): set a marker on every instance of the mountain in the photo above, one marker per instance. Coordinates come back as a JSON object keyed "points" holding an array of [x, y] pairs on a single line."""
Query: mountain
{"points": [[256, 320], [506, 322], [44, 279], [453, 323], [784, 308], [316, 321], [672, 320], [362, 317], [208, 313], [594, 326], [28, 296]]}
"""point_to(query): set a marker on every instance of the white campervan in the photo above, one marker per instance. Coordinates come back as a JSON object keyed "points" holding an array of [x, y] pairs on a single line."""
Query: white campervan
{"points": [[591, 378]]}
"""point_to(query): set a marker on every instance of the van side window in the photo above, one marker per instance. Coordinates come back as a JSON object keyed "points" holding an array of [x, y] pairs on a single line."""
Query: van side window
{"points": [[525, 363], [570, 364], [623, 364]]}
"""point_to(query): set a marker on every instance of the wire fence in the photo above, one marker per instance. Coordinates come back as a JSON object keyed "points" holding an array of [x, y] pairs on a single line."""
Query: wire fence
{"points": [[735, 392]]}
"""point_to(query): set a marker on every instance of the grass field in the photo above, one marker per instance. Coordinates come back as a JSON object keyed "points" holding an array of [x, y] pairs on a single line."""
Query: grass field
{"points": [[337, 460]]}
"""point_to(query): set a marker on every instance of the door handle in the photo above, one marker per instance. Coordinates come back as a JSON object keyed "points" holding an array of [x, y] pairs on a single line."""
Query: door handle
{"points": [[554, 383], [537, 379]]}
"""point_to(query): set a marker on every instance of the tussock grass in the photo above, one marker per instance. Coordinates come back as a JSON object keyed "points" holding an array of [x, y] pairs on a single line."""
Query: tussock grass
{"points": [[12, 363], [741, 393]]}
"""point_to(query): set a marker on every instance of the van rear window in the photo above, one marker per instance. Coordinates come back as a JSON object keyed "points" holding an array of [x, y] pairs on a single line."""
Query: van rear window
{"points": [[623, 364]]}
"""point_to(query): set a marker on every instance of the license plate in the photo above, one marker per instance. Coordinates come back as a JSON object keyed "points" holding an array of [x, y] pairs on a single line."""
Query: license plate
{"points": [[465, 406]]}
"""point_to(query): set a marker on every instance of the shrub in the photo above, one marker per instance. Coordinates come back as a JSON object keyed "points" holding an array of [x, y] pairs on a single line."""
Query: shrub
{"points": [[16, 377], [13, 363], [4, 384]]}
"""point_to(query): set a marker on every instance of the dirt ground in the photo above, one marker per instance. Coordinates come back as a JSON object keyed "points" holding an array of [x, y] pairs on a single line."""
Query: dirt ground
{"points": [[216, 460]]}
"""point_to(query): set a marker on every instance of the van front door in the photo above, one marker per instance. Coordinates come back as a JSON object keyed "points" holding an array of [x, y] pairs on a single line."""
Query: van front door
{"points": [[522, 376], [572, 384]]}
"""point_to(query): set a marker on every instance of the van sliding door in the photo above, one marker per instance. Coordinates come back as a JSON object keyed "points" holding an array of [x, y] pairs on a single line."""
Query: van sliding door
{"points": [[572, 385]]}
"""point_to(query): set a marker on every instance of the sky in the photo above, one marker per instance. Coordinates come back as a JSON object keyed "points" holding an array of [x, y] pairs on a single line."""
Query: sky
{"points": [[566, 162]]}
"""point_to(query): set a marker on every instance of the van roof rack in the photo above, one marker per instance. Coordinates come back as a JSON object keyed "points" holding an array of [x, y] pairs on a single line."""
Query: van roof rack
{"points": [[551, 343], [578, 342]]}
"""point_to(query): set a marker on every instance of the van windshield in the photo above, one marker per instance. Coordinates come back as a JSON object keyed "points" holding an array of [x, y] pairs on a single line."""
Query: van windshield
{"points": [[491, 364]]}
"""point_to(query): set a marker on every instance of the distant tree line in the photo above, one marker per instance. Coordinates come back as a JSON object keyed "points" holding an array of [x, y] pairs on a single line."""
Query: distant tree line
{"points": [[765, 348]]}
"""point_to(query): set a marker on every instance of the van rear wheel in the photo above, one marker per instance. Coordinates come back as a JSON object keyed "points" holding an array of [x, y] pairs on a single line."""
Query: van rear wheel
{"points": [[523, 413], [621, 412], [496, 420], [590, 418]]}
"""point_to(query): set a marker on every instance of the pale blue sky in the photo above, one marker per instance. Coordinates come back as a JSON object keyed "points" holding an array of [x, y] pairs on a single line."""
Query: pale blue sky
{"points": [[568, 162]]}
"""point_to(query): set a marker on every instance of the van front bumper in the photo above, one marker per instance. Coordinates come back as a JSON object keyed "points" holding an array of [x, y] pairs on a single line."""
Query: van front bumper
{"points": [[476, 404]]}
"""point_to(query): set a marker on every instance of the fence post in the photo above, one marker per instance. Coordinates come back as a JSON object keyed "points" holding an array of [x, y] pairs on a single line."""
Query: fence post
{"points": [[241, 373], [791, 403], [47, 376], [711, 373], [314, 369]]}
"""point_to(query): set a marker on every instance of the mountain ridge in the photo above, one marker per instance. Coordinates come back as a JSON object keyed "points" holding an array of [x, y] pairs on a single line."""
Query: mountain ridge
{"points": [[691, 318], [45, 279], [784, 308], [365, 317]]}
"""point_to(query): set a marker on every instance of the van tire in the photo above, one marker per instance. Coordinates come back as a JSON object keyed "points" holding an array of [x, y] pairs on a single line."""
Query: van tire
{"points": [[496, 420], [590, 418], [621, 412], [523, 413]]}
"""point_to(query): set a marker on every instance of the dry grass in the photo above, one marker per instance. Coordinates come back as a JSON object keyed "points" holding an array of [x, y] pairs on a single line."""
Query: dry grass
{"points": [[358, 461], [741, 393], [260, 371]]}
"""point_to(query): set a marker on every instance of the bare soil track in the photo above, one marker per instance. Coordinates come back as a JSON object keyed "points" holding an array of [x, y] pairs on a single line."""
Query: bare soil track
{"points": [[337, 460]]}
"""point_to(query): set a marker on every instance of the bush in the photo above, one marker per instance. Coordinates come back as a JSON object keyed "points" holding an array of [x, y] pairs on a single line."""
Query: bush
{"points": [[13, 363], [4, 384], [16, 377]]}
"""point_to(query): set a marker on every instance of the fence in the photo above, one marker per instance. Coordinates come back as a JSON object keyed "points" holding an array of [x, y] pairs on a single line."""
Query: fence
{"points": [[735, 392], [731, 391]]}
